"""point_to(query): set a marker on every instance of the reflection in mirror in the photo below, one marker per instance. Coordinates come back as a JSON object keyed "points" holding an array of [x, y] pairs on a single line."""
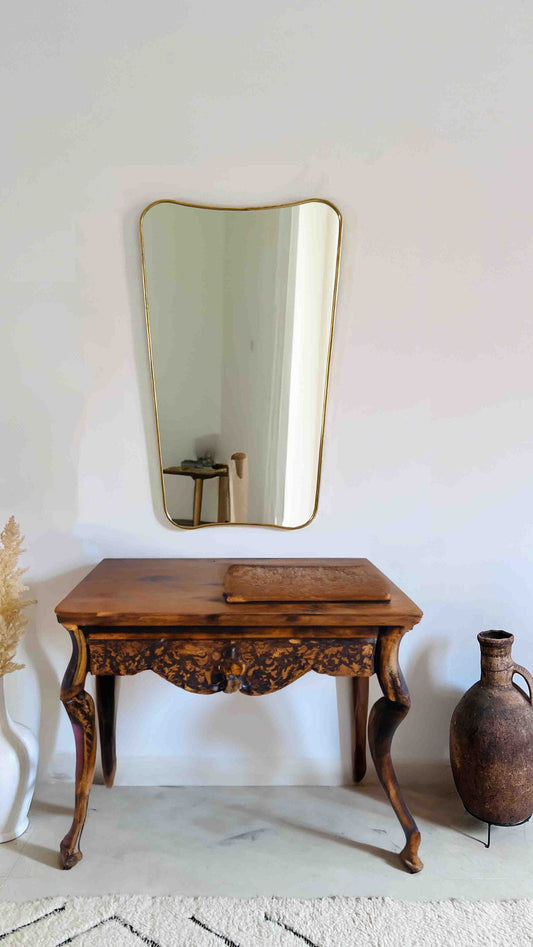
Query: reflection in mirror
{"points": [[240, 306]]}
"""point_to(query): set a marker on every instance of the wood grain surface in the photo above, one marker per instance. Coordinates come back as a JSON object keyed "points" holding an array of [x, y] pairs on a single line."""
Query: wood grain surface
{"points": [[189, 592]]}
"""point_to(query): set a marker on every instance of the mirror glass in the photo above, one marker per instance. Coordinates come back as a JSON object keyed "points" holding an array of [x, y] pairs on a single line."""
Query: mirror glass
{"points": [[240, 306]]}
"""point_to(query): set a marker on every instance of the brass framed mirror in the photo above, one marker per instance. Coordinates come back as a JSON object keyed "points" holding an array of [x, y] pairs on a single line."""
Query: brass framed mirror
{"points": [[240, 305]]}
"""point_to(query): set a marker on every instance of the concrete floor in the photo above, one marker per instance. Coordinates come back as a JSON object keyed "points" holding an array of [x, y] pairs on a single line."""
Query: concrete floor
{"points": [[287, 841]]}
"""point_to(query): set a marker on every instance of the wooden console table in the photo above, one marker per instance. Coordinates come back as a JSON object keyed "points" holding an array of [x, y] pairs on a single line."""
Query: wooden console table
{"points": [[129, 615]]}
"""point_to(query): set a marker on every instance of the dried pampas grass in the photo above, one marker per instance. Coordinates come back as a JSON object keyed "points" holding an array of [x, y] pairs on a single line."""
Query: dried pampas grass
{"points": [[12, 619]]}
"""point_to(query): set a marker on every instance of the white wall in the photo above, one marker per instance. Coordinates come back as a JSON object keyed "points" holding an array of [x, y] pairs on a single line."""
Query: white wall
{"points": [[415, 119]]}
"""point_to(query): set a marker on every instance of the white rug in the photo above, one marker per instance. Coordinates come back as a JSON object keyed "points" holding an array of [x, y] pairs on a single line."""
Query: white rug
{"points": [[122, 921]]}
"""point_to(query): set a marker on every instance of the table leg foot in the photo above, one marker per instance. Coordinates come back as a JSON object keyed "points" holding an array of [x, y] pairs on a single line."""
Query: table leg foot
{"points": [[409, 855], [68, 859]]}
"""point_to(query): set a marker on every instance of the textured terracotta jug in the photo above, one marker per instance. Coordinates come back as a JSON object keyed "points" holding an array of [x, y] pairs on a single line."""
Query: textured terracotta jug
{"points": [[491, 738]]}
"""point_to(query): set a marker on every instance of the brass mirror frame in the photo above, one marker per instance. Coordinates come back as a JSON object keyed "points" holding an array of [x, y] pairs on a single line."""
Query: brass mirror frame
{"points": [[309, 200]]}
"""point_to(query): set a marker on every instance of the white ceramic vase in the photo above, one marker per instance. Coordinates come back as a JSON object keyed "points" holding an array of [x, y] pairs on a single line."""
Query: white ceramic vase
{"points": [[18, 764]]}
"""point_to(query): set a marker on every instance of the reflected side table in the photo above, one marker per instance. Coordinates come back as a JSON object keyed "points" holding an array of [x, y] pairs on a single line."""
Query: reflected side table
{"points": [[170, 616], [198, 475]]}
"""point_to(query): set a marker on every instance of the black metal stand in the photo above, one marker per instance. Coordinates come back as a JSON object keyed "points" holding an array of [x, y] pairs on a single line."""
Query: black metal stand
{"points": [[505, 825]]}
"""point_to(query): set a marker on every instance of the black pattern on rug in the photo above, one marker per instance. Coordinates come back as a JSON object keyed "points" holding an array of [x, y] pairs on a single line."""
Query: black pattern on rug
{"points": [[223, 938], [291, 930], [35, 921], [114, 917]]}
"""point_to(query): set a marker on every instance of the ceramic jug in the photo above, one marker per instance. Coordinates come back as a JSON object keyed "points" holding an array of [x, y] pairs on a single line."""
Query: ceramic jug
{"points": [[18, 765], [491, 738]]}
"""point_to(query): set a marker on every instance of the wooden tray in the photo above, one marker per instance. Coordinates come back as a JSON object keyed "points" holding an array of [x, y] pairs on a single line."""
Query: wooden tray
{"points": [[358, 582]]}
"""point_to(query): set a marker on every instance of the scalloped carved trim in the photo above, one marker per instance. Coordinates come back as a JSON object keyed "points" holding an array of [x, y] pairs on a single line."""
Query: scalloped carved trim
{"points": [[253, 666]]}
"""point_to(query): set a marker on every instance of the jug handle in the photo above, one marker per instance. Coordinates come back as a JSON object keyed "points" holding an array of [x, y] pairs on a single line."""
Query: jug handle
{"points": [[527, 677]]}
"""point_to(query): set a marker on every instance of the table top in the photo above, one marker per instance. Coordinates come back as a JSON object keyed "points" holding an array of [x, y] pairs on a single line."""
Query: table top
{"points": [[189, 592], [198, 473]]}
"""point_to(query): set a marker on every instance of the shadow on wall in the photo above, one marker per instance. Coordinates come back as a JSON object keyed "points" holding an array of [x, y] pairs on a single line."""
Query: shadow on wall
{"points": [[428, 721], [433, 700], [45, 636], [225, 725]]}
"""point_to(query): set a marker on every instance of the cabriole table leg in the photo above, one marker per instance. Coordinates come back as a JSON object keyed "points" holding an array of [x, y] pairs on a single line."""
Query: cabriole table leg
{"points": [[385, 716], [80, 709]]}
